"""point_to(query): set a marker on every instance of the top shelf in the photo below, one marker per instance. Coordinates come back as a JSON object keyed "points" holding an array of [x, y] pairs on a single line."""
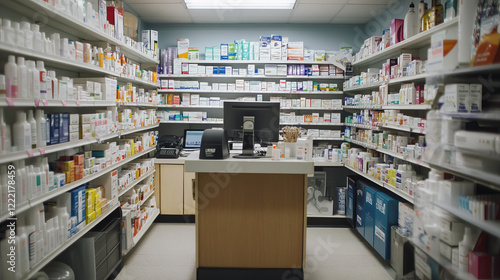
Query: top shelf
{"points": [[418, 41], [231, 62], [41, 11]]}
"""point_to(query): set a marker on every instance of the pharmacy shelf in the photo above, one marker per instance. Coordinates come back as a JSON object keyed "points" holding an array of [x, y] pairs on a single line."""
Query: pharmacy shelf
{"points": [[148, 196], [419, 130], [135, 182], [192, 122], [138, 104], [396, 81], [363, 144], [11, 157], [145, 227], [390, 107], [11, 213], [370, 86], [328, 138], [190, 107], [418, 41], [386, 186], [492, 227], [400, 156], [362, 126], [327, 164], [484, 178], [468, 71], [86, 179], [114, 205], [487, 116], [312, 108], [250, 92], [21, 102], [442, 261], [311, 124], [51, 16], [70, 65], [231, 62], [362, 107], [228, 76], [327, 216]]}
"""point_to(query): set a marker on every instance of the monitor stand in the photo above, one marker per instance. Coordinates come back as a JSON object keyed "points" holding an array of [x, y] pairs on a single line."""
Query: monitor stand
{"points": [[248, 139]]}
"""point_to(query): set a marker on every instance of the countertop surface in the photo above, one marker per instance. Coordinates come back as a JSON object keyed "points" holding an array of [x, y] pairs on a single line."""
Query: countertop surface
{"points": [[237, 165]]}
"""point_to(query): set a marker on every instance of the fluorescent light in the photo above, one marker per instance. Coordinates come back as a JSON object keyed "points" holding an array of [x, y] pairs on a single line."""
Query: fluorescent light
{"points": [[240, 4]]}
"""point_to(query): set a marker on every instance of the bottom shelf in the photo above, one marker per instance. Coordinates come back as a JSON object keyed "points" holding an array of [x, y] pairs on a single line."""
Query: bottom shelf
{"points": [[145, 228], [445, 263], [70, 241], [327, 216]]}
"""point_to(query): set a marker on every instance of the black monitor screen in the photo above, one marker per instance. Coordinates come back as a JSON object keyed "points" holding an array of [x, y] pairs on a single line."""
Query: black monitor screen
{"points": [[267, 116]]}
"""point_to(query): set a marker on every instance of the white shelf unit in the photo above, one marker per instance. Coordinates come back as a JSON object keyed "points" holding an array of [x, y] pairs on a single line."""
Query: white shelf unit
{"points": [[311, 124], [327, 216], [396, 81], [362, 126], [311, 108], [249, 92], [68, 145], [386, 186], [420, 40], [144, 229], [70, 241], [492, 227], [275, 77], [191, 122], [233, 62], [135, 182], [138, 104], [22, 102], [327, 164], [420, 130], [328, 138], [390, 107], [148, 196], [67, 23]]}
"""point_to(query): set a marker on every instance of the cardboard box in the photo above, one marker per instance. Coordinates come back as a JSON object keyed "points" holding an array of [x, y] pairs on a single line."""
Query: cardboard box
{"points": [[182, 49], [457, 98]]}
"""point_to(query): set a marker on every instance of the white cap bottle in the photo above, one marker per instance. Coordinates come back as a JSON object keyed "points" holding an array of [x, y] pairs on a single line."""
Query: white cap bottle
{"points": [[3, 86], [22, 78], [28, 34], [22, 132], [41, 130], [32, 122], [10, 71], [43, 79], [4, 135], [463, 250], [20, 39], [23, 250], [8, 31], [22, 194], [54, 85], [33, 81], [37, 38]]}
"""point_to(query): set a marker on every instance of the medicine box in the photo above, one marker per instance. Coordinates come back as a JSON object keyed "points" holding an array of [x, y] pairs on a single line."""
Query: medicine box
{"points": [[457, 98], [386, 215]]}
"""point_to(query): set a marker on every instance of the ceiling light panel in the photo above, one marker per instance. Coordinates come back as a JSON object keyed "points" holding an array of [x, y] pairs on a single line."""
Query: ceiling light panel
{"points": [[240, 4]]}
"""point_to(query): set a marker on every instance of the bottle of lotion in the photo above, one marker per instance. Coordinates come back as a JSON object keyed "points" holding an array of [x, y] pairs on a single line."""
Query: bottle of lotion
{"points": [[22, 132], [463, 250], [410, 27], [41, 128], [22, 78], [33, 81], [11, 77], [43, 80], [32, 122], [4, 135]]}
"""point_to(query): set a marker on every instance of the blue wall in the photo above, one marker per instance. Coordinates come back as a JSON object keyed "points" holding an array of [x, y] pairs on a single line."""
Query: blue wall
{"points": [[315, 36]]}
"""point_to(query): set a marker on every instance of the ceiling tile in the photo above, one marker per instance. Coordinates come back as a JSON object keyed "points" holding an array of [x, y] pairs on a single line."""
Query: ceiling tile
{"points": [[316, 10], [160, 10], [350, 20], [361, 10]]}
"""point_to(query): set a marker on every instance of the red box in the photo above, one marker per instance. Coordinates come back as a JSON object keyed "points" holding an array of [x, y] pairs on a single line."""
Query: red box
{"points": [[79, 158], [480, 264], [397, 31]]}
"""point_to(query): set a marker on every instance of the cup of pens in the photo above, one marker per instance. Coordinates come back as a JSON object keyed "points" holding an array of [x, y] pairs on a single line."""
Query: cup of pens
{"points": [[290, 136]]}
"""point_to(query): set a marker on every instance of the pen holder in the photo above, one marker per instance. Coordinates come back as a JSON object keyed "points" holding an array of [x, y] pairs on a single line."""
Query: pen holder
{"points": [[292, 146]]}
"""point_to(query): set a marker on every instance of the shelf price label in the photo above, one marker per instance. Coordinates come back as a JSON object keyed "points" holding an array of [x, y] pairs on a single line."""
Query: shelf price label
{"points": [[45, 102], [63, 102], [78, 103], [37, 102], [30, 153], [42, 151], [10, 102]]}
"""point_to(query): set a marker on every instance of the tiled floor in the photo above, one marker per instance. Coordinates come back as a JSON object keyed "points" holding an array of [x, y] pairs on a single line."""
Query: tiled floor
{"points": [[167, 252]]}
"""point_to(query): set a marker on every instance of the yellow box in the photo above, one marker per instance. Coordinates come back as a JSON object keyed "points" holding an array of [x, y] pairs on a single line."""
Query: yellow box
{"points": [[91, 217], [91, 198], [68, 166]]}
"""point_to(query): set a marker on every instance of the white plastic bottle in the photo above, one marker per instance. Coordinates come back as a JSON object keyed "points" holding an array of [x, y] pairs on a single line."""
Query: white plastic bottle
{"points": [[33, 187], [410, 27], [4, 135], [41, 128], [23, 251], [10, 71], [463, 250], [32, 122], [5, 188], [8, 31], [43, 79], [22, 78], [22, 193], [22, 132], [28, 34], [2, 39], [37, 38], [49, 225], [45, 169], [54, 85], [47, 128], [20, 39], [33, 81], [31, 235]]}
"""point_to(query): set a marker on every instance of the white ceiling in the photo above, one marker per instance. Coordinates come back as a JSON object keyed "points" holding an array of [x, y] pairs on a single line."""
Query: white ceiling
{"points": [[305, 11]]}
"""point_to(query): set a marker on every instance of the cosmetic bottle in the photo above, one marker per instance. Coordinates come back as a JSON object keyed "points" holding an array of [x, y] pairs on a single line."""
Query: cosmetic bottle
{"points": [[33, 190], [5, 145], [8, 31], [31, 235], [37, 38], [22, 132], [45, 169], [56, 43], [43, 79], [41, 129], [20, 38], [101, 58], [463, 250], [10, 71], [28, 34], [3, 87], [425, 23], [32, 122], [410, 27], [33, 80], [49, 229], [22, 194], [436, 14], [422, 7], [22, 78]]}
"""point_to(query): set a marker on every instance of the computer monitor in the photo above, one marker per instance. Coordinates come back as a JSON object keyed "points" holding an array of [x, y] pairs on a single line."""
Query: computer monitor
{"points": [[192, 139], [263, 118]]}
